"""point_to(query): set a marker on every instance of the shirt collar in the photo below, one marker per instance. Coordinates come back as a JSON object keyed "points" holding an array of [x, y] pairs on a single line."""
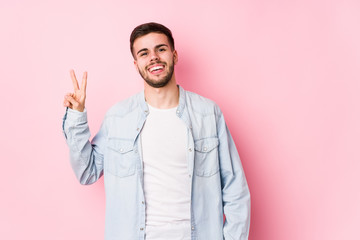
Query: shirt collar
{"points": [[179, 111]]}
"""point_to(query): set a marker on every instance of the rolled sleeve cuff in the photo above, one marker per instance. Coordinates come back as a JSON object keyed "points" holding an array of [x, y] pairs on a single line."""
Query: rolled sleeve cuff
{"points": [[75, 116], [72, 118]]}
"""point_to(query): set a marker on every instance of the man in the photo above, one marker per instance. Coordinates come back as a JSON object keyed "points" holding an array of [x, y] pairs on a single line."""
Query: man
{"points": [[171, 169]]}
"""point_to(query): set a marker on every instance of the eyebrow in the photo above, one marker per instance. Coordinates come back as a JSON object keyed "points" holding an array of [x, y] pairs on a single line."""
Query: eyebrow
{"points": [[156, 47]]}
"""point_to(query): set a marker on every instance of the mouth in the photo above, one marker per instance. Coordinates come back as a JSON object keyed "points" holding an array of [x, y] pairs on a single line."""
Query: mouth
{"points": [[156, 69]]}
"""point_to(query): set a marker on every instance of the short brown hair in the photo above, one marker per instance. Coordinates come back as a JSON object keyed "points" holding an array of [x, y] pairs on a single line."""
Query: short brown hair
{"points": [[147, 28]]}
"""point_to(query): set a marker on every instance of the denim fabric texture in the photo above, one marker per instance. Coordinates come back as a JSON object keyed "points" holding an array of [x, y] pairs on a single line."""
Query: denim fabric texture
{"points": [[218, 181]]}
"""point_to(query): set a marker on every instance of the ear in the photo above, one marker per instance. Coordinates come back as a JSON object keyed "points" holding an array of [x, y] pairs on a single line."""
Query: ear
{"points": [[175, 57], [135, 65]]}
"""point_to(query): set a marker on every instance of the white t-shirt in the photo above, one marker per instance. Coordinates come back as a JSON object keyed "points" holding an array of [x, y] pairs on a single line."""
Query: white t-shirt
{"points": [[166, 179]]}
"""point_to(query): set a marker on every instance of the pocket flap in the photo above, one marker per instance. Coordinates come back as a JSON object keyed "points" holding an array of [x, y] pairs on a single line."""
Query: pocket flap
{"points": [[121, 145], [206, 144]]}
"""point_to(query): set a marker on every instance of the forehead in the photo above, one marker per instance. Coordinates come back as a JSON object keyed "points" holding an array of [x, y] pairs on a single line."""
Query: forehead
{"points": [[150, 40]]}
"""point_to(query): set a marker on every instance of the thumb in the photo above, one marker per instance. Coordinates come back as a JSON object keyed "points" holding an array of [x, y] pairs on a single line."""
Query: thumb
{"points": [[74, 103]]}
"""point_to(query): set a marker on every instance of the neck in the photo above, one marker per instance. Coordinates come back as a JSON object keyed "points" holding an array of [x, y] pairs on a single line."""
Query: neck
{"points": [[164, 97]]}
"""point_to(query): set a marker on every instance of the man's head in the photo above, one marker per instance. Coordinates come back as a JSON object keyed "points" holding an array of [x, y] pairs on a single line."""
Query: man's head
{"points": [[147, 28], [154, 55]]}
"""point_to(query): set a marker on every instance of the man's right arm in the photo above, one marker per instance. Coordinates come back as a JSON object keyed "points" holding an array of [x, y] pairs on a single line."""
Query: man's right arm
{"points": [[86, 158]]}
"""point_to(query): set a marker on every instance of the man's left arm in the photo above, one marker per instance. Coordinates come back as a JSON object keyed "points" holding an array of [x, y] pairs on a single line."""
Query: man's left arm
{"points": [[235, 191]]}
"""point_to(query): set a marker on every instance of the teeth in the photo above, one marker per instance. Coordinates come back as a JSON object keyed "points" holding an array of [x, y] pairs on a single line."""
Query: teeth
{"points": [[155, 68]]}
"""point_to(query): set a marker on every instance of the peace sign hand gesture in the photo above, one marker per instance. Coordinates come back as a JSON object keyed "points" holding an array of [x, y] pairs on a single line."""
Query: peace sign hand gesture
{"points": [[76, 100]]}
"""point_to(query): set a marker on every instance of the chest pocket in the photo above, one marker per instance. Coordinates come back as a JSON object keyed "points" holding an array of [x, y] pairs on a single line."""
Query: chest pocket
{"points": [[121, 157], [206, 157]]}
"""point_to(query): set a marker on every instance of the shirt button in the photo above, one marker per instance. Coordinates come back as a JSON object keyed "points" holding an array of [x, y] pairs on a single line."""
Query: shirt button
{"points": [[137, 129], [141, 229], [205, 148], [142, 202], [192, 228], [121, 150], [190, 149], [189, 175]]}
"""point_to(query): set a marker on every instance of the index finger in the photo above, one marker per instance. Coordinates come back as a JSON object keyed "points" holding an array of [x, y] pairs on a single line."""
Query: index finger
{"points": [[73, 78]]}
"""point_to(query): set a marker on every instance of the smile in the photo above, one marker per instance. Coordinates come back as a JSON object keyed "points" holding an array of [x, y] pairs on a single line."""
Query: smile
{"points": [[156, 69]]}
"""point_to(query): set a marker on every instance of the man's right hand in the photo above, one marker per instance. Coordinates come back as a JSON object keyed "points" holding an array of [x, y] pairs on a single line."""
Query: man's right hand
{"points": [[76, 100]]}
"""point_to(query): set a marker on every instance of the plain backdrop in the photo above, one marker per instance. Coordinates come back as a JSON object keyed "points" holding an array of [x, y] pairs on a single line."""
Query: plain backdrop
{"points": [[286, 74]]}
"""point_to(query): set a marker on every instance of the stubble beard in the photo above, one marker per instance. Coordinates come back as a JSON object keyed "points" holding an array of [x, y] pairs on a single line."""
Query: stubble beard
{"points": [[161, 82]]}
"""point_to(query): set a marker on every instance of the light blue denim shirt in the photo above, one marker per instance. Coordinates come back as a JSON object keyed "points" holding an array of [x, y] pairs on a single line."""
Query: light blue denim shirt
{"points": [[218, 181]]}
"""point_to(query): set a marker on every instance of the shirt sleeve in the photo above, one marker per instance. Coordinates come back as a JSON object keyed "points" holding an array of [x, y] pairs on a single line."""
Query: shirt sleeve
{"points": [[235, 191], [86, 157]]}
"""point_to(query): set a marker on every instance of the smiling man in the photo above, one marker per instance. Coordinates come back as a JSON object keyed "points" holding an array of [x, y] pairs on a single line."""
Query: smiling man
{"points": [[171, 169], [155, 68]]}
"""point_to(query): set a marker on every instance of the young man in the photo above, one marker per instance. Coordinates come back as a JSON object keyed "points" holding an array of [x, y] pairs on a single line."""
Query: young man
{"points": [[171, 169]]}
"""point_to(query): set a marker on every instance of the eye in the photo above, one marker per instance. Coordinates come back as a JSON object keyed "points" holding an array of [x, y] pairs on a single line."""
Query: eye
{"points": [[162, 49], [143, 54]]}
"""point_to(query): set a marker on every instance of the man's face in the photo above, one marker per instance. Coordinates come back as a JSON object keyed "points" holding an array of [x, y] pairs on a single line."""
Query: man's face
{"points": [[154, 59]]}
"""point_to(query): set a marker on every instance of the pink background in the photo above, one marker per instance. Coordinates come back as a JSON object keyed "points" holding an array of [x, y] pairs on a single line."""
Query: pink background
{"points": [[285, 73]]}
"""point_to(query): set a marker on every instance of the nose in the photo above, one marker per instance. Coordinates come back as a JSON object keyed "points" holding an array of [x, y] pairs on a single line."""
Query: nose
{"points": [[154, 56]]}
